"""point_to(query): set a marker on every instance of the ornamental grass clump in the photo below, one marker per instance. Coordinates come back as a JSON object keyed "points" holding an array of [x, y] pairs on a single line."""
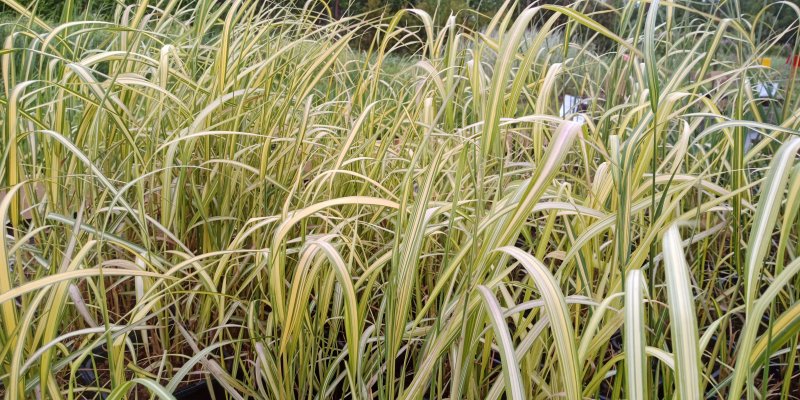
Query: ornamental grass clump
{"points": [[246, 198]]}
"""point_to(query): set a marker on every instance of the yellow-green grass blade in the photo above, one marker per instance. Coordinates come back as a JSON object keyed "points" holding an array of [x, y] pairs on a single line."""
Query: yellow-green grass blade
{"points": [[650, 55], [490, 140], [784, 329], [635, 341], [121, 392], [65, 276], [560, 323], [683, 326], [8, 310], [352, 324], [16, 6], [276, 268], [757, 247], [748, 348], [511, 371], [13, 163], [594, 25]]}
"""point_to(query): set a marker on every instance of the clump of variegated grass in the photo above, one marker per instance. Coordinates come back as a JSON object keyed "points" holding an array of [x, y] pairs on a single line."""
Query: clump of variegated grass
{"points": [[230, 191]]}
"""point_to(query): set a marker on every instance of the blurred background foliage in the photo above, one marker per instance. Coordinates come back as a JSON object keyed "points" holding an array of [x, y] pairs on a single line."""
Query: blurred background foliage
{"points": [[475, 14], [778, 15]]}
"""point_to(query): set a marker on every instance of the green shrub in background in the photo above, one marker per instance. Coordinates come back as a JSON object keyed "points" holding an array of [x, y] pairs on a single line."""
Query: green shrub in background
{"points": [[52, 9], [778, 16]]}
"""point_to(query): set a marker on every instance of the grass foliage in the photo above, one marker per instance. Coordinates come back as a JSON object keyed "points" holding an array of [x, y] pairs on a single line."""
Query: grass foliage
{"points": [[230, 193]]}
